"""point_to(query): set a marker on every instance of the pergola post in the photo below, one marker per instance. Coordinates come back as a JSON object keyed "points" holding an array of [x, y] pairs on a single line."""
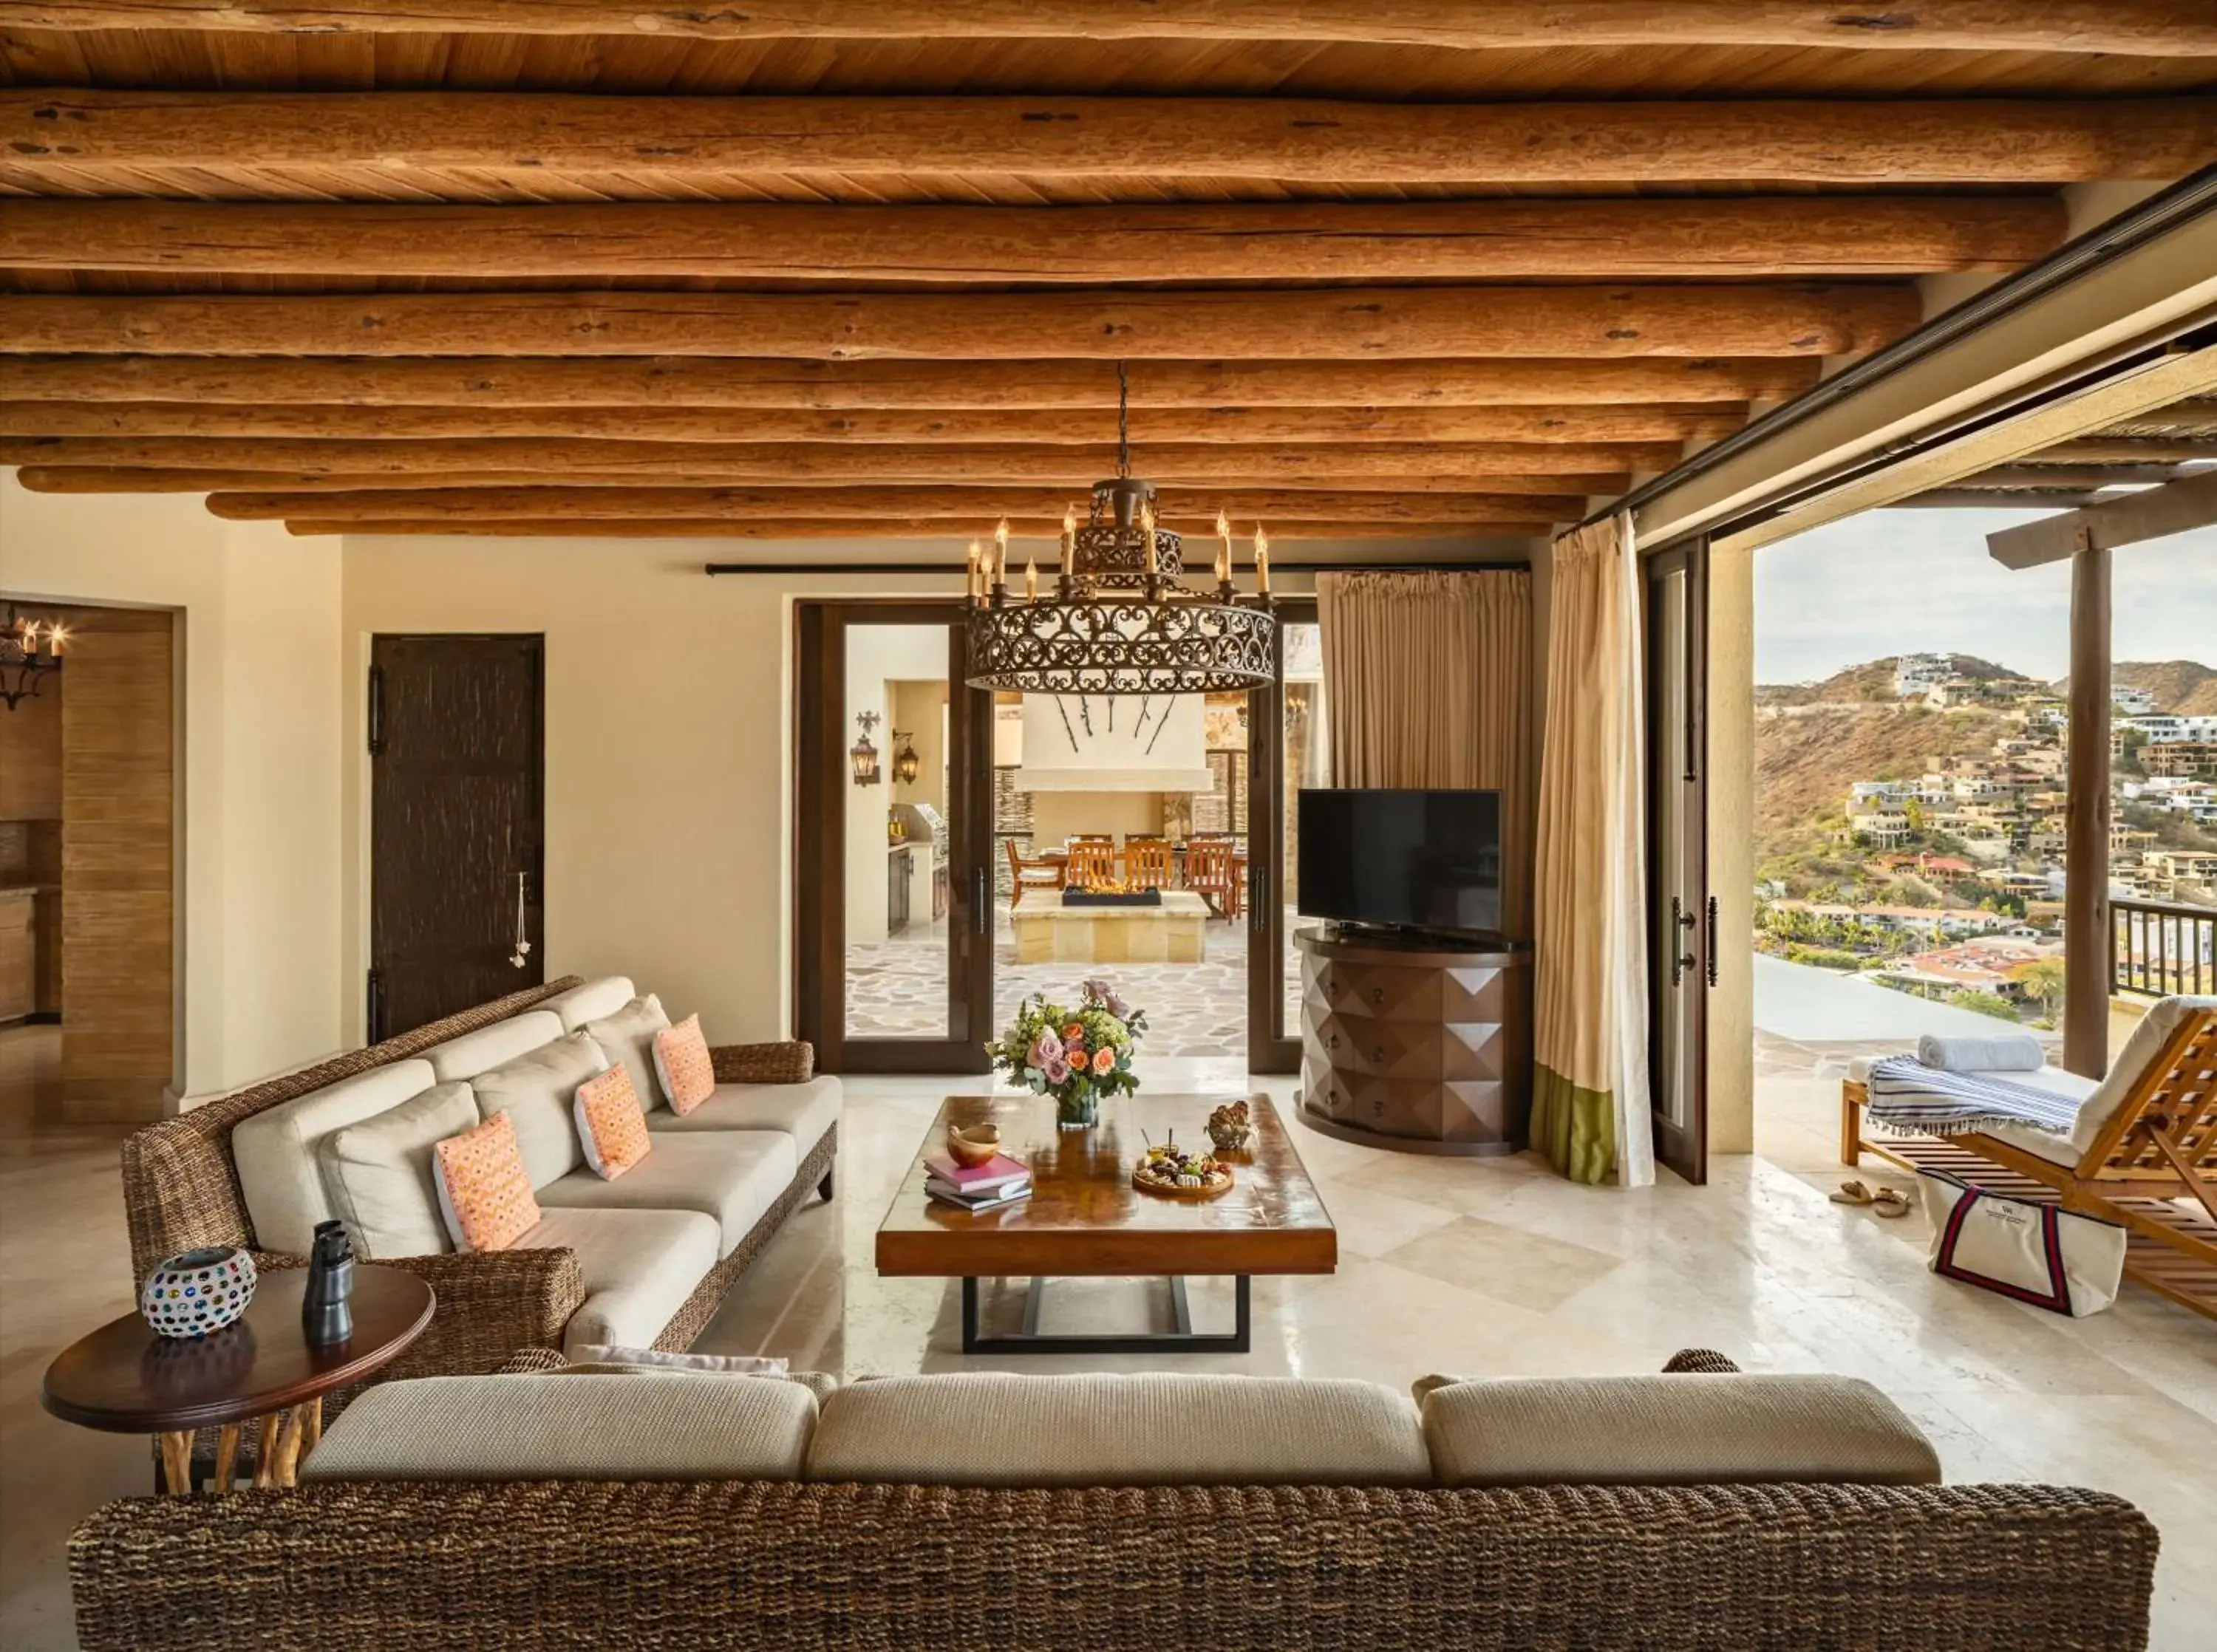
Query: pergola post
{"points": [[2086, 837]]}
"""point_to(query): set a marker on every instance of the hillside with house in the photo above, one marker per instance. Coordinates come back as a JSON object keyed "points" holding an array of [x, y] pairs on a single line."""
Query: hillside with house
{"points": [[1909, 819]]}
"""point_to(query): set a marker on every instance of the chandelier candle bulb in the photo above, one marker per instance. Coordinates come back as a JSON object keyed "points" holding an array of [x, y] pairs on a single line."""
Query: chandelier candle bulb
{"points": [[970, 584], [1069, 542], [1262, 561], [1031, 582]]}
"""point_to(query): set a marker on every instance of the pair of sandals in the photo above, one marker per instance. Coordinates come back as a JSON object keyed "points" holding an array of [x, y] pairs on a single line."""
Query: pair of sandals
{"points": [[1885, 1201]]}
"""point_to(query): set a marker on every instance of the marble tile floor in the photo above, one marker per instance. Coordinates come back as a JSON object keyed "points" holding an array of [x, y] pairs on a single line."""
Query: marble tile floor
{"points": [[1467, 1266], [896, 988]]}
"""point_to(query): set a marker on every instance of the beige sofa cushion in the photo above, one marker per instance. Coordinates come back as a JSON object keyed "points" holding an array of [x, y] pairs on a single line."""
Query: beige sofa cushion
{"points": [[538, 1090], [732, 1175], [275, 1150], [680, 1425], [474, 1053], [639, 1268], [603, 995], [803, 1112], [378, 1173], [1719, 1429], [626, 1039], [986, 1428]]}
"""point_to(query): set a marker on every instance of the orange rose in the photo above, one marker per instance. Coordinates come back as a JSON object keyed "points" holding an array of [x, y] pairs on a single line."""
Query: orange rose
{"points": [[1074, 1033], [1103, 1059]]}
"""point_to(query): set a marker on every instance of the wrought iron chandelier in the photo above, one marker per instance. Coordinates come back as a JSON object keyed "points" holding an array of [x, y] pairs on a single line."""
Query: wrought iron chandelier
{"points": [[30, 650], [1120, 619]]}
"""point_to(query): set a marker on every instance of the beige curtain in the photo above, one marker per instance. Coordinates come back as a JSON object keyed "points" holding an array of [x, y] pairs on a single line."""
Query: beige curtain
{"points": [[1428, 684], [1589, 1107]]}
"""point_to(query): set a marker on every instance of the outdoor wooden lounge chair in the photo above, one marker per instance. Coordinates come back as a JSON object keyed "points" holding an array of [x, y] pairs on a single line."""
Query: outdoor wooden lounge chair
{"points": [[2148, 1161]]}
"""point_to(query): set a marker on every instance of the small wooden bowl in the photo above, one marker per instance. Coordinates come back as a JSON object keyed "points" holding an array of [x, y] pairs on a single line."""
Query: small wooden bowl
{"points": [[973, 1146]]}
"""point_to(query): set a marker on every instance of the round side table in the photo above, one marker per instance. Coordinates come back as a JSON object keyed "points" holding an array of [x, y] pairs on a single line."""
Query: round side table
{"points": [[124, 1380]]}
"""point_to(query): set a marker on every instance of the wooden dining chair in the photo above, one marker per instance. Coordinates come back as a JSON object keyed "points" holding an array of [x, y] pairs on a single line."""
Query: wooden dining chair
{"points": [[1028, 874], [1092, 860], [1212, 872], [1147, 863]]}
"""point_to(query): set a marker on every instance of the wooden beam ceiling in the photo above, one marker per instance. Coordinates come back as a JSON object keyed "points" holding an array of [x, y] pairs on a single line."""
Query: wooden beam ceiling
{"points": [[974, 509], [1416, 265], [1337, 324], [70, 133], [1634, 422], [2152, 27], [669, 381], [1411, 464], [811, 527], [1790, 236]]}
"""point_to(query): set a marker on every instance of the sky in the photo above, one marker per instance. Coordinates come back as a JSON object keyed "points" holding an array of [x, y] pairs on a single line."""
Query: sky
{"points": [[1913, 581]]}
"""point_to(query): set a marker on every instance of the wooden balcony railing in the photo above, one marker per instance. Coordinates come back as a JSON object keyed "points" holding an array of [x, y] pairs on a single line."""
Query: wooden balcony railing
{"points": [[2161, 948]]}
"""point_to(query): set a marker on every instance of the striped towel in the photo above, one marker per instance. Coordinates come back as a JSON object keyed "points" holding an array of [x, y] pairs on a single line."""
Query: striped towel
{"points": [[1907, 1095]]}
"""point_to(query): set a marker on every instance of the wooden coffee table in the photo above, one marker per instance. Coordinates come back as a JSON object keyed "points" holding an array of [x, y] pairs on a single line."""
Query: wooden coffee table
{"points": [[126, 1379], [1084, 1219]]}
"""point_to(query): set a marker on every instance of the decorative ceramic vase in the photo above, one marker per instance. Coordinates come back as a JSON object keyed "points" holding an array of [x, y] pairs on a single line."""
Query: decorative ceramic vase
{"points": [[198, 1291], [327, 1304], [1079, 1112], [974, 1146]]}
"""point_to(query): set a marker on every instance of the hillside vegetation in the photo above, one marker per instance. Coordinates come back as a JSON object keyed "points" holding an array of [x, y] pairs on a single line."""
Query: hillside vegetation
{"points": [[1803, 764]]}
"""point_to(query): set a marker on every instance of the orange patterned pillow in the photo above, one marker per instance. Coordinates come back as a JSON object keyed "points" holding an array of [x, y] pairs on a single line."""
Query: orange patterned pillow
{"points": [[683, 1063], [610, 1126], [485, 1192]]}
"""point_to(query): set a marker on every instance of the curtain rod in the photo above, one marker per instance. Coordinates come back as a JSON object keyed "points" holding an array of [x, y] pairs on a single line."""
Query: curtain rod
{"points": [[955, 570]]}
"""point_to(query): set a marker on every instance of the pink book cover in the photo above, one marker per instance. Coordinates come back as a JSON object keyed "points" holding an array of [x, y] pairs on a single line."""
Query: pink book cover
{"points": [[996, 1171]]}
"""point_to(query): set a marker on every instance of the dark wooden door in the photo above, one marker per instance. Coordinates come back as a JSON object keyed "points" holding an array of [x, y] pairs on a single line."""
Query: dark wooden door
{"points": [[457, 745], [878, 985], [1281, 745], [1682, 916]]}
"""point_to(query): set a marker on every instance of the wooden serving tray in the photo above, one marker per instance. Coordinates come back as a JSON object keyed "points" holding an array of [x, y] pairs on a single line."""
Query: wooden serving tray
{"points": [[1219, 1184]]}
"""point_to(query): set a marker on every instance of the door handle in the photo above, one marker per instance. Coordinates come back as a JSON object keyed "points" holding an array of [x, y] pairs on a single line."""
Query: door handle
{"points": [[981, 902], [1709, 942], [1681, 962]]}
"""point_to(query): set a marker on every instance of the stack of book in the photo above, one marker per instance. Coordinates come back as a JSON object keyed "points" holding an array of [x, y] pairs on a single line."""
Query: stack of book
{"points": [[1000, 1180]]}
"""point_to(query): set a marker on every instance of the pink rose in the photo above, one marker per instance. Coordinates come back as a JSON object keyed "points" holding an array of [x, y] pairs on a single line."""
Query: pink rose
{"points": [[1057, 1070]]}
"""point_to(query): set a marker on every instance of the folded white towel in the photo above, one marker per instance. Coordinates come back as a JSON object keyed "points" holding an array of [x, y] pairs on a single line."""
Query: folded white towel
{"points": [[2009, 1052]]}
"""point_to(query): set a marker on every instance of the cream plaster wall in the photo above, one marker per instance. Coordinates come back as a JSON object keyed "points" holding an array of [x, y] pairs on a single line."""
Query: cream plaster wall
{"points": [[259, 981], [879, 659], [669, 742]]}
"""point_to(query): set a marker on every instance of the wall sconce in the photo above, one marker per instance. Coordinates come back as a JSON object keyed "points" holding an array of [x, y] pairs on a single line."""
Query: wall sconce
{"points": [[862, 754], [30, 651], [906, 764]]}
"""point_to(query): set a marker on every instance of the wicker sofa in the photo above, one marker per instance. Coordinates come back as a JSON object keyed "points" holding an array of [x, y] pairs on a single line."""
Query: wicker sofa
{"points": [[183, 1190], [1327, 1515]]}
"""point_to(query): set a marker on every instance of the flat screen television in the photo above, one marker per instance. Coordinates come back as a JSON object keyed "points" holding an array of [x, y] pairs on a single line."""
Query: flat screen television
{"points": [[1402, 860]]}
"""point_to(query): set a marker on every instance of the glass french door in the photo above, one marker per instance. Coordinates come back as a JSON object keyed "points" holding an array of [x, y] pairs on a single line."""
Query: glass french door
{"points": [[1682, 916], [1288, 749], [893, 899]]}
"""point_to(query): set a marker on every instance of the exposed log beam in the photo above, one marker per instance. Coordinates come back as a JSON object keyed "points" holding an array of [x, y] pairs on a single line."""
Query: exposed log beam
{"points": [[1013, 426], [667, 381], [806, 528], [977, 507], [1405, 464], [2098, 529], [74, 133], [1431, 240], [1343, 324], [2147, 28]]}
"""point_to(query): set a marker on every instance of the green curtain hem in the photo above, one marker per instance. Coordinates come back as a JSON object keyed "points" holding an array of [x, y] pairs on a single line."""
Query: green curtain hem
{"points": [[1574, 1128]]}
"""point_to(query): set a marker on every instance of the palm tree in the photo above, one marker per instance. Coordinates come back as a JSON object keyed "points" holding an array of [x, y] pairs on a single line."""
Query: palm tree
{"points": [[2042, 981]]}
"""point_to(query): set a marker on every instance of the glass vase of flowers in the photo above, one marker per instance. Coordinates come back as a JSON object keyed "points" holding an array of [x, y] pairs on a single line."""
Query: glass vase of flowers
{"points": [[1075, 1055]]}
